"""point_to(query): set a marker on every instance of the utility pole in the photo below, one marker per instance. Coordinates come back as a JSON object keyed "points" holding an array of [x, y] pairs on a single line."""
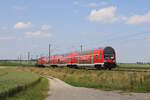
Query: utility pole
{"points": [[49, 52], [20, 58], [28, 56], [37, 56], [81, 46]]}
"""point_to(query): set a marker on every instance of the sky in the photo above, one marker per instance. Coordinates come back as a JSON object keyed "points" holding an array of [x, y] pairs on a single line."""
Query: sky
{"points": [[30, 25]]}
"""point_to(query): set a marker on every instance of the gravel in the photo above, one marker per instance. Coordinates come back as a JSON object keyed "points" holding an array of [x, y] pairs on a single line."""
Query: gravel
{"points": [[59, 90]]}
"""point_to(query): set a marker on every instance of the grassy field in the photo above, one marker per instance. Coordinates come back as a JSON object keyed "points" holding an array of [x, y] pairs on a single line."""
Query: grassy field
{"points": [[13, 81], [134, 66], [36, 92], [104, 79], [12, 63]]}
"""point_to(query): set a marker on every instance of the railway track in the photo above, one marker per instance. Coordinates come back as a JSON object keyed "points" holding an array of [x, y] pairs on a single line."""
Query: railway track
{"points": [[114, 69], [132, 70]]}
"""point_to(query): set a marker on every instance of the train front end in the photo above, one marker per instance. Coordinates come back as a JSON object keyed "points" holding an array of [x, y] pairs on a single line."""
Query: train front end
{"points": [[109, 57]]}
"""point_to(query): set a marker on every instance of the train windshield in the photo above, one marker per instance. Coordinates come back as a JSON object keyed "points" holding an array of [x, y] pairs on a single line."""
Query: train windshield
{"points": [[109, 53]]}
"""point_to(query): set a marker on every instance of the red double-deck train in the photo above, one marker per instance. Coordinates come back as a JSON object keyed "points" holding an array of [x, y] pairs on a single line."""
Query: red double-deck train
{"points": [[98, 58]]}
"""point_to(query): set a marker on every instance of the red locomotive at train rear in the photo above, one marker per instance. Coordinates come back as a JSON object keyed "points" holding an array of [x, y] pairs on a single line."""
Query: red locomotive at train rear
{"points": [[98, 58]]}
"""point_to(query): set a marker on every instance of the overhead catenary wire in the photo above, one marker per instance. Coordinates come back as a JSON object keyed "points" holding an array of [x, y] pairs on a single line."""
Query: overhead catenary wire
{"points": [[79, 47]]}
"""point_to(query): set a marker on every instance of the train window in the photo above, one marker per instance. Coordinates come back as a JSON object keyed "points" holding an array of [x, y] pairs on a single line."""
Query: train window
{"points": [[100, 55], [68, 59], [96, 56], [76, 58]]}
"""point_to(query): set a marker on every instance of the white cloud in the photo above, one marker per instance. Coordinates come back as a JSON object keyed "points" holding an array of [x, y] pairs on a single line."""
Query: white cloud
{"points": [[139, 19], [37, 34], [33, 34], [45, 27], [75, 2], [7, 38], [94, 4], [90, 4], [104, 15], [22, 25], [108, 15], [44, 31]]}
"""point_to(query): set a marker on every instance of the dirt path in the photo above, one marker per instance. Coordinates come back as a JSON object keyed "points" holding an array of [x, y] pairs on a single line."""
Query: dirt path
{"points": [[59, 90]]}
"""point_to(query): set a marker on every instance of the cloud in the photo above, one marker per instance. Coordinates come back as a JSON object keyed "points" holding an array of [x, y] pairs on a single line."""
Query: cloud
{"points": [[94, 4], [44, 31], [76, 3], [37, 34], [108, 15], [138, 19], [104, 15], [7, 38], [33, 34], [22, 25], [45, 27], [90, 4]]}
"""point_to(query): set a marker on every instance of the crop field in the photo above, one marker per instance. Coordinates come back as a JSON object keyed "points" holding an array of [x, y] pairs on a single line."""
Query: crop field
{"points": [[13, 82], [12, 63], [134, 66], [36, 92], [99, 79]]}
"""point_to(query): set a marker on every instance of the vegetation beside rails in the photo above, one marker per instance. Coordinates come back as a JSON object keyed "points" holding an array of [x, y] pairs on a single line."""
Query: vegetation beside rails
{"points": [[36, 92], [103, 79], [12, 81], [12, 63], [133, 66]]}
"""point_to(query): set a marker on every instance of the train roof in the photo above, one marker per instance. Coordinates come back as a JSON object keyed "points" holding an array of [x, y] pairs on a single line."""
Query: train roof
{"points": [[85, 52]]}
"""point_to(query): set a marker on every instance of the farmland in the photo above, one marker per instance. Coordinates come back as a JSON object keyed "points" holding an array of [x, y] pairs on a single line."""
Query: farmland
{"points": [[20, 81], [36, 92], [134, 66], [13, 82], [13, 63], [103, 79]]}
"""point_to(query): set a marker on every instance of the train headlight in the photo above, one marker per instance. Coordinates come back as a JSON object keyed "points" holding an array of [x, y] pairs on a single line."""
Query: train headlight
{"points": [[112, 57]]}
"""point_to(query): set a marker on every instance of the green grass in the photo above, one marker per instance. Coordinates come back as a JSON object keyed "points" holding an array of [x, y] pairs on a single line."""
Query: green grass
{"points": [[12, 81], [36, 92], [12, 63], [133, 66], [103, 79]]}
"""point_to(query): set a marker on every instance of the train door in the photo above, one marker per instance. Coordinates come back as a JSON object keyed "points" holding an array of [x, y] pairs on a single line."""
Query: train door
{"points": [[97, 56], [58, 61]]}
